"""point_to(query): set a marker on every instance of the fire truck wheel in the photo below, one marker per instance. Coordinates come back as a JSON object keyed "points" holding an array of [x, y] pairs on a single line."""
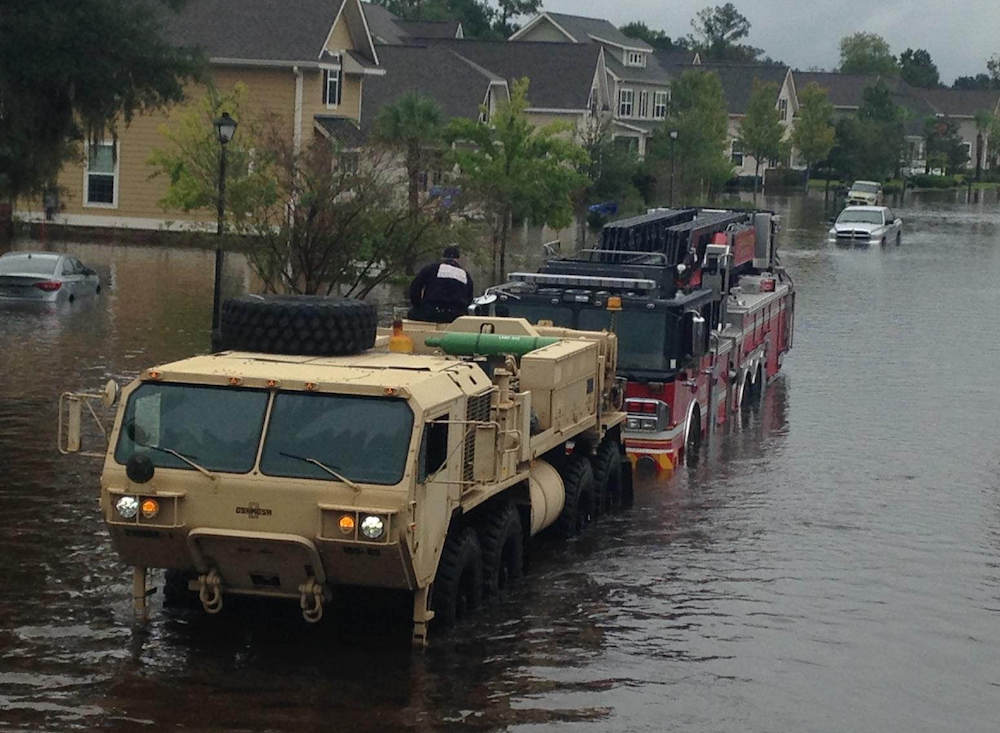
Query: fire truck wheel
{"points": [[298, 324], [458, 585], [502, 540], [578, 508], [607, 465]]}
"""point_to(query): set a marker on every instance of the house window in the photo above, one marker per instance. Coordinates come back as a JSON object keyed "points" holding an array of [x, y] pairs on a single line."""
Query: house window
{"points": [[101, 177], [626, 98], [659, 105], [736, 153], [331, 87], [643, 104], [783, 109], [635, 58]]}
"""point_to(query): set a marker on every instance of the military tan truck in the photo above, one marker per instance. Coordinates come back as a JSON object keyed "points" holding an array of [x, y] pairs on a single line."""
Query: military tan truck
{"points": [[299, 475]]}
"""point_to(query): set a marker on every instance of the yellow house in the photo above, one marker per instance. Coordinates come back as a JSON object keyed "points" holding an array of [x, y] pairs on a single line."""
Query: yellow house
{"points": [[305, 61]]}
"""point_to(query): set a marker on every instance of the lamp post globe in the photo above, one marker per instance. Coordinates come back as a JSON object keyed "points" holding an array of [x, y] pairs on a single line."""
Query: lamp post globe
{"points": [[673, 139], [225, 128]]}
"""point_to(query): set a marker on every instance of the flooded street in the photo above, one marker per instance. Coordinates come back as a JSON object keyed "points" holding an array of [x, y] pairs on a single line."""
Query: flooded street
{"points": [[833, 564]]}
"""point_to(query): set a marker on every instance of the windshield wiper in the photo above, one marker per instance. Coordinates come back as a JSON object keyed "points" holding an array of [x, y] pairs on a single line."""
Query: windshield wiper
{"points": [[184, 458], [332, 471]]}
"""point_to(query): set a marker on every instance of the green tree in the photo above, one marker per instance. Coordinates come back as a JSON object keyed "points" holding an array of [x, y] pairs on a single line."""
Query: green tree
{"points": [[514, 170], [508, 10], [984, 121], [870, 145], [866, 53], [698, 156], [918, 69], [717, 33], [190, 160], [609, 173], [993, 66], [76, 69], [813, 132], [978, 82], [655, 38], [945, 148], [413, 125], [335, 227], [761, 131]]}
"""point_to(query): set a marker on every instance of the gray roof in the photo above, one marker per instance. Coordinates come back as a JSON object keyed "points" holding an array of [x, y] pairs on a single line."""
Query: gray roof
{"points": [[345, 131], [458, 87], [843, 90], [382, 24], [561, 74], [737, 81], [960, 102], [258, 30], [651, 73], [675, 57], [585, 30], [429, 28]]}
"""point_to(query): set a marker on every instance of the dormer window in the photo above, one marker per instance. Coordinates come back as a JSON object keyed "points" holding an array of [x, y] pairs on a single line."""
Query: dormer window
{"points": [[635, 58], [331, 84]]}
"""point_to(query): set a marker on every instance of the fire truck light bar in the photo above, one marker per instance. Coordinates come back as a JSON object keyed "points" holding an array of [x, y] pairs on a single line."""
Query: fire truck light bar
{"points": [[584, 281]]}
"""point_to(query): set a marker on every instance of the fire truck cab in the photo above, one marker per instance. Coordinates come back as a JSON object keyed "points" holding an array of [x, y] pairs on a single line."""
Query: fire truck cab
{"points": [[702, 308]]}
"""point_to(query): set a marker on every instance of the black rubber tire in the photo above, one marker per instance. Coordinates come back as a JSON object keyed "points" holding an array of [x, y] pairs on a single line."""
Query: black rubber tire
{"points": [[458, 585], [899, 238], [175, 589], [310, 325], [607, 466], [501, 538], [578, 507]]}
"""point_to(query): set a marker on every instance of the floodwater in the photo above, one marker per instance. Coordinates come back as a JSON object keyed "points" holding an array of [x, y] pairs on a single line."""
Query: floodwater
{"points": [[832, 565]]}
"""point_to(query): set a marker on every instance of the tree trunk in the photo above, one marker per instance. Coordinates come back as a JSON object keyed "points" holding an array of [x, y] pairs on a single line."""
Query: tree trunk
{"points": [[808, 171], [504, 233], [756, 172], [979, 155]]}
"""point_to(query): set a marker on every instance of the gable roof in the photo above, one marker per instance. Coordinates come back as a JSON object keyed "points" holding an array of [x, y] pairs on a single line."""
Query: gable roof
{"points": [[580, 29], [389, 29], [737, 81], [960, 102], [430, 28], [459, 92], [843, 90], [561, 74], [383, 24], [254, 30]]}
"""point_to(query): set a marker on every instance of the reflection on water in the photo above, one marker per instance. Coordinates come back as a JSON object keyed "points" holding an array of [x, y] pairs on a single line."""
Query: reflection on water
{"points": [[832, 564]]}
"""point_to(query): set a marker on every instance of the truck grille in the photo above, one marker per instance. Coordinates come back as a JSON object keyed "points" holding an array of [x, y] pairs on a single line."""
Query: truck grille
{"points": [[478, 410], [854, 234]]}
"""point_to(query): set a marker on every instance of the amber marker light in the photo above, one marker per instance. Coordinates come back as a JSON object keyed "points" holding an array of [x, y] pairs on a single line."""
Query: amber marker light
{"points": [[153, 374], [235, 381], [149, 508], [614, 303], [311, 386], [347, 524], [272, 383]]}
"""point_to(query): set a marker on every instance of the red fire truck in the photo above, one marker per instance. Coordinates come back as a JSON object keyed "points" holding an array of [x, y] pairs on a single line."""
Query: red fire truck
{"points": [[702, 307]]}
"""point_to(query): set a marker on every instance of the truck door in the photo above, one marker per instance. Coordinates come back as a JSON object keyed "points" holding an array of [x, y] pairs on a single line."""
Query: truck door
{"points": [[436, 485]]}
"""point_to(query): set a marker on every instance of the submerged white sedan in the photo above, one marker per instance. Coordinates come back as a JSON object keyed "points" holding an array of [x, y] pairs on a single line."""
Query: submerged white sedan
{"points": [[45, 276], [864, 225]]}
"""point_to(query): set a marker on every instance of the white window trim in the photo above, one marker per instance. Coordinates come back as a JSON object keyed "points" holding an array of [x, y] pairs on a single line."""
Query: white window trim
{"points": [[630, 93], [657, 115], [328, 72], [783, 109], [736, 149], [86, 177], [643, 104], [635, 58]]}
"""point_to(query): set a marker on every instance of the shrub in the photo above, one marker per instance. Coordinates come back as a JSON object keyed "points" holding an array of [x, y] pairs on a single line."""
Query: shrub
{"points": [[924, 180]]}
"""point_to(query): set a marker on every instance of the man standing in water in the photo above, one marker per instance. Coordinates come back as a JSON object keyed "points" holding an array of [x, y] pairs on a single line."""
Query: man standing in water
{"points": [[441, 291]]}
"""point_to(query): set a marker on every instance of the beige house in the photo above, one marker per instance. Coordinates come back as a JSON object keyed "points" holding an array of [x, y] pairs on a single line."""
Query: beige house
{"points": [[306, 62]]}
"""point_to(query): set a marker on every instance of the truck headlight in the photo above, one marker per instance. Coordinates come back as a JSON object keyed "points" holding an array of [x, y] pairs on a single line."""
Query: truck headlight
{"points": [[372, 527], [127, 507]]}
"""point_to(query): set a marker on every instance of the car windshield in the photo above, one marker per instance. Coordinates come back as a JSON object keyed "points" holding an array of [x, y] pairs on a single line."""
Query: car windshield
{"points": [[217, 427], [865, 187], [28, 264], [365, 439], [860, 216]]}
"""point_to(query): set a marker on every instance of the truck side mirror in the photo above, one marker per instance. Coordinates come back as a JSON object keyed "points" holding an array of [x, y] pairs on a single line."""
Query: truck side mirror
{"points": [[695, 325]]}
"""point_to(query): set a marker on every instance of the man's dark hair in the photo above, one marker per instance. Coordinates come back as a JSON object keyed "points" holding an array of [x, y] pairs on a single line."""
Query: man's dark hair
{"points": [[451, 252]]}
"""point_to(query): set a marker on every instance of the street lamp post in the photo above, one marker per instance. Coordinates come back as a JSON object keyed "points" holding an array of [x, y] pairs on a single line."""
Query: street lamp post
{"points": [[673, 140], [225, 128]]}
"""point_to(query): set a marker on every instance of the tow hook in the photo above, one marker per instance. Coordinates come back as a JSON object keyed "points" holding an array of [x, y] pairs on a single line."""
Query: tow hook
{"points": [[311, 600], [210, 591]]}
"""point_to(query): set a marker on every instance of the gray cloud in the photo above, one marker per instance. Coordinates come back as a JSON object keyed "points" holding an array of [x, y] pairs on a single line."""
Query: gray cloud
{"points": [[960, 36]]}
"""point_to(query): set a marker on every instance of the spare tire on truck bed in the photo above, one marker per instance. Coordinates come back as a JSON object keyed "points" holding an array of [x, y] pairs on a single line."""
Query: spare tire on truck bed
{"points": [[311, 325]]}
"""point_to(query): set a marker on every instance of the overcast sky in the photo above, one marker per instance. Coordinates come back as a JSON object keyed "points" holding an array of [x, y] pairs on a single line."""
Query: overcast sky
{"points": [[959, 34]]}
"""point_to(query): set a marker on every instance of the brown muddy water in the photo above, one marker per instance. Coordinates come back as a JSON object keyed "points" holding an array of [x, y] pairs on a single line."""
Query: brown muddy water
{"points": [[833, 564]]}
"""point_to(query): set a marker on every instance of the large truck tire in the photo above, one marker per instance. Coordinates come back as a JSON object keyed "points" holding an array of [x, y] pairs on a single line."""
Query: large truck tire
{"points": [[310, 325], [501, 538], [607, 465], [458, 585], [578, 508]]}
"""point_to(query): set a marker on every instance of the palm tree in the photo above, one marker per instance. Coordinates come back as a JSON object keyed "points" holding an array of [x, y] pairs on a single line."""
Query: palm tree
{"points": [[412, 124]]}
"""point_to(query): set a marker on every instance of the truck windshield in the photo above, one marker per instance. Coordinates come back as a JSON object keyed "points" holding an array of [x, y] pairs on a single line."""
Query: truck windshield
{"points": [[217, 427], [366, 439]]}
